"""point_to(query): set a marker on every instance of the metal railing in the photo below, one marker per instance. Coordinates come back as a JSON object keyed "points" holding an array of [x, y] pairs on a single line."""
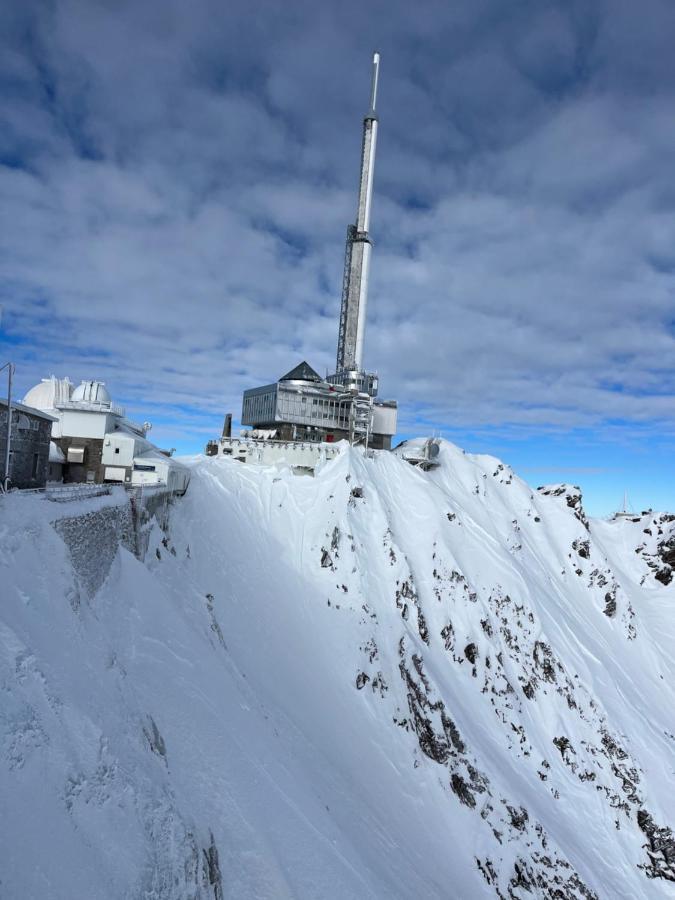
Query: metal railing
{"points": [[92, 406], [65, 493]]}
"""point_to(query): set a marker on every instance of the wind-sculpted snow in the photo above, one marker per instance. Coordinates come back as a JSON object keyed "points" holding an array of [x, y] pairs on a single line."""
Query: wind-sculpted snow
{"points": [[374, 683]]}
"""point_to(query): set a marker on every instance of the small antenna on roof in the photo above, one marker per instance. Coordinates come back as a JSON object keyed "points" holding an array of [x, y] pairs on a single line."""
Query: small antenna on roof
{"points": [[624, 512]]}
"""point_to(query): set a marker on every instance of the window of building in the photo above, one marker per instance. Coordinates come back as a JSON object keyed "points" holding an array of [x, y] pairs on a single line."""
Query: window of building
{"points": [[36, 465]]}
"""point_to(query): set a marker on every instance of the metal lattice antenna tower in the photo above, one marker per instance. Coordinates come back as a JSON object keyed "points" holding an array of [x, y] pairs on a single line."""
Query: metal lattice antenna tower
{"points": [[359, 247]]}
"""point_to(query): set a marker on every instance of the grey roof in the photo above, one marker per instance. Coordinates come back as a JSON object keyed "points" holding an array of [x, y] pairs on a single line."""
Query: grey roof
{"points": [[29, 410], [302, 372]]}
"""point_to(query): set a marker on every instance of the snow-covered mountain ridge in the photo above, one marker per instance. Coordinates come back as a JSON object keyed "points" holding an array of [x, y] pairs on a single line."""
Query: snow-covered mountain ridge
{"points": [[373, 683]]}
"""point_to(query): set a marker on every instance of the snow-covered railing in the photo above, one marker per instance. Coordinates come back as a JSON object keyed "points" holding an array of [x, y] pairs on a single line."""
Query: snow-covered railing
{"points": [[247, 441], [92, 406], [64, 493], [138, 490]]}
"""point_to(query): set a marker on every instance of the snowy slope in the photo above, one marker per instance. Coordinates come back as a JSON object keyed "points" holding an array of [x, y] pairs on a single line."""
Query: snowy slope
{"points": [[374, 683]]}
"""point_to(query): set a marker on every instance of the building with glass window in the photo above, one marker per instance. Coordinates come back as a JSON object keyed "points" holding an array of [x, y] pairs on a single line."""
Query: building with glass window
{"points": [[302, 406]]}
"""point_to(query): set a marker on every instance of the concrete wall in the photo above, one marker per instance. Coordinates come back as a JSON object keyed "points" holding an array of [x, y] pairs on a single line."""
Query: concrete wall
{"points": [[384, 418], [86, 423], [24, 469], [267, 453], [120, 448]]}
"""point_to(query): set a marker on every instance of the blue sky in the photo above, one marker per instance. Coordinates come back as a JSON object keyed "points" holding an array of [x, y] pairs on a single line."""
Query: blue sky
{"points": [[176, 181]]}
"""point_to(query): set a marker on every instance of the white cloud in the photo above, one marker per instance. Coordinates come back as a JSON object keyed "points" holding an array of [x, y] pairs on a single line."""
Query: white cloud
{"points": [[178, 185]]}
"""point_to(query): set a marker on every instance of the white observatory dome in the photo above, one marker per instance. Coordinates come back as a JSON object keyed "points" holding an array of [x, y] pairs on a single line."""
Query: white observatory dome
{"points": [[91, 392], [49, 393]]}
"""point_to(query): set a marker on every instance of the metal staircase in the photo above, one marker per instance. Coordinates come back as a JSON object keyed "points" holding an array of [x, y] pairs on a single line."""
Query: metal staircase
{"points": [[360, 419]]}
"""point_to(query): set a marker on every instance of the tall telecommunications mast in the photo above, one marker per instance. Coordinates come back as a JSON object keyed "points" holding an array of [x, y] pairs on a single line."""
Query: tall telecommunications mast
{"points": [[358, 250]]}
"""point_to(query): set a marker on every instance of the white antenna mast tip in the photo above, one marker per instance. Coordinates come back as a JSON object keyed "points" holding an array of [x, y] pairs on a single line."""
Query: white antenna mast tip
{"points": [[373, 90]]}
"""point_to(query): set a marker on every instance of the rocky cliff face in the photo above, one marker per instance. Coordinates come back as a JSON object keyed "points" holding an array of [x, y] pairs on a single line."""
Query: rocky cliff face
{"points": [[378, 682]]}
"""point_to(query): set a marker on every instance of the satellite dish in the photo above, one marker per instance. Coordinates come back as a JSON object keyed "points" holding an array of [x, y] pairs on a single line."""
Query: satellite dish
{"points": [[433, 449], [147, 426]]}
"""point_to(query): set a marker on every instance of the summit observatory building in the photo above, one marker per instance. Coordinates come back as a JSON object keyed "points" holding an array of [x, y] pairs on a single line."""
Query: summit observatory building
{"points": [[303, 406]]}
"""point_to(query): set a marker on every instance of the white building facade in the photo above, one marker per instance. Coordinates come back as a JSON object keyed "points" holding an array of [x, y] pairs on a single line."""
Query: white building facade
{"points": [[98, 443]]}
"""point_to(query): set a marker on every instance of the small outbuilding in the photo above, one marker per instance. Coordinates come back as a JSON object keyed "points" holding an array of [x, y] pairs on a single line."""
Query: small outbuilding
{"points": [[29, 445]]}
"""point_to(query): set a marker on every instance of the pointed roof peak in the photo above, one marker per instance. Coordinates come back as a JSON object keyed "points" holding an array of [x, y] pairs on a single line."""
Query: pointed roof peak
{"points": [[302, 372]]}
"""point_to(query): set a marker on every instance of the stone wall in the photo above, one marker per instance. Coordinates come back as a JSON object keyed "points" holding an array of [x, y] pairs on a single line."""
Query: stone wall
{"points": [[148, 507], [92, 469], [94, 538], [29, 461]]}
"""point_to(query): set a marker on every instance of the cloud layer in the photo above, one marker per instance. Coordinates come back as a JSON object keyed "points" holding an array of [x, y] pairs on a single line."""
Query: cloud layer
{"points": [[177, 179]]}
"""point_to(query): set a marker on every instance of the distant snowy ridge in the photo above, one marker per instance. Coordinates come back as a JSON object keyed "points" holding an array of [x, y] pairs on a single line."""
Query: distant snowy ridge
{"points": [[374, 683]]}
